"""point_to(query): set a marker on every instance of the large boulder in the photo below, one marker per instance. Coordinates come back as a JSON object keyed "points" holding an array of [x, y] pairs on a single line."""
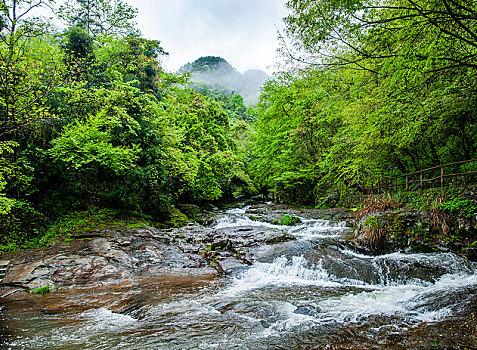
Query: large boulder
{"points": [[391, 229]]}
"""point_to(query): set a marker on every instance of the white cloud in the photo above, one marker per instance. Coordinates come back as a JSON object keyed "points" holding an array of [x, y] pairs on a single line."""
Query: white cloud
{"points": [[241, 31]]}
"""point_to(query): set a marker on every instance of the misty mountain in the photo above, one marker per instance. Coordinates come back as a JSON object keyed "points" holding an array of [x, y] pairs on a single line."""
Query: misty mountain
{"points": [[217, 74]]}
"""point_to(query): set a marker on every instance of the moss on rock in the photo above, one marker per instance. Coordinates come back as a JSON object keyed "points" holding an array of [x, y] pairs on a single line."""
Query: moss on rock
{"points": [[178, 219]]}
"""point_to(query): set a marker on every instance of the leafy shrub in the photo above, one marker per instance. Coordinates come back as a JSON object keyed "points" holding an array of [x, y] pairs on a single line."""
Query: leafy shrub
{"points": [[191, 210], [465, 207], [455, 214], [178, 219], [41, 290], [80, 221]]}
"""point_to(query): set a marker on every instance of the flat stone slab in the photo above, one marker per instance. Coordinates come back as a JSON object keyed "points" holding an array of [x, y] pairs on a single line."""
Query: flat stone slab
{"points": [[3, 268]]}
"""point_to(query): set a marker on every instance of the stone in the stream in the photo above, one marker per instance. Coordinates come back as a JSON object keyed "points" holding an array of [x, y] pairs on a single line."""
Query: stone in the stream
{"points": [[390, 227], [279, 238], [123, 256], [307, 309], [223, 306], [231, 263]]}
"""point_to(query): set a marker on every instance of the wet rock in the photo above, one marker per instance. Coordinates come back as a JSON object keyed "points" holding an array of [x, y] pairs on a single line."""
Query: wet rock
{"points": [[390, 229], [220, 244], [223, 307], [272, 212], [121, 257], [308, 310], [205, 220], [231, 263], [279, 238]]}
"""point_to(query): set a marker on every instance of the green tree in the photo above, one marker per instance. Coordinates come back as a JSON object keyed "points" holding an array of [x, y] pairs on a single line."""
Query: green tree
{"points": [[367, 29], [100, 17], [30, 67]]}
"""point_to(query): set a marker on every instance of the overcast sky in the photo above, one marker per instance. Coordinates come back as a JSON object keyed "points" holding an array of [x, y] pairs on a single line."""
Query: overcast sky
{"points": [[244, 32]]}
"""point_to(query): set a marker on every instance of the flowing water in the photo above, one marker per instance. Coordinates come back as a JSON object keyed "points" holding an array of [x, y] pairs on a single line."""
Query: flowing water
{"points": [[315, 293]]}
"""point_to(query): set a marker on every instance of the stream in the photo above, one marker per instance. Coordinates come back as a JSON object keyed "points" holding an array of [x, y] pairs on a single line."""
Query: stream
{"points": [[315, 292]]}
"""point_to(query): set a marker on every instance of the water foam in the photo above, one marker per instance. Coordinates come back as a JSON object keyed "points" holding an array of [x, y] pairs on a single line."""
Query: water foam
{"points": [[234, 220], [396, 300], [308, 229], [103, 319], [282, 271], [315, 229]]}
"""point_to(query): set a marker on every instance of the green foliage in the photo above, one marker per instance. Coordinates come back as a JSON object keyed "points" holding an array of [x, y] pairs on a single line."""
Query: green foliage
{"points": [[293, 134], [289, 220], [83, 221], [372, 222], [6, 169], [31, 66], [190, 210], [90, 120], [378, 227], [465, 207], [231, 102], [78, 44], [390, 92], [404, 31], [99, 17], [88, 144], [21, 226]]}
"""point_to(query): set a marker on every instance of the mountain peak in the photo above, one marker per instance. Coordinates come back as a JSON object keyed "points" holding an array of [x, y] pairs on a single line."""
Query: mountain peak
{"points": [[215, 72]]}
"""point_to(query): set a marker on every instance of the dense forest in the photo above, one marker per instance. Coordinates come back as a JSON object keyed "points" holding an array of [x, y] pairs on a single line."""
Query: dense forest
{"points": [[89, 119]]}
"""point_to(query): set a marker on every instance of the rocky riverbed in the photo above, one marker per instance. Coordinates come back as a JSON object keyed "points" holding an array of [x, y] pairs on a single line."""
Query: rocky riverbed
{"points": [[235, 280]]}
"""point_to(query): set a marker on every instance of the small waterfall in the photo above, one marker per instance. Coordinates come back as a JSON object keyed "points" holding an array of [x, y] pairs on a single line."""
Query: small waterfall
{"points": [[316, 229]]}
